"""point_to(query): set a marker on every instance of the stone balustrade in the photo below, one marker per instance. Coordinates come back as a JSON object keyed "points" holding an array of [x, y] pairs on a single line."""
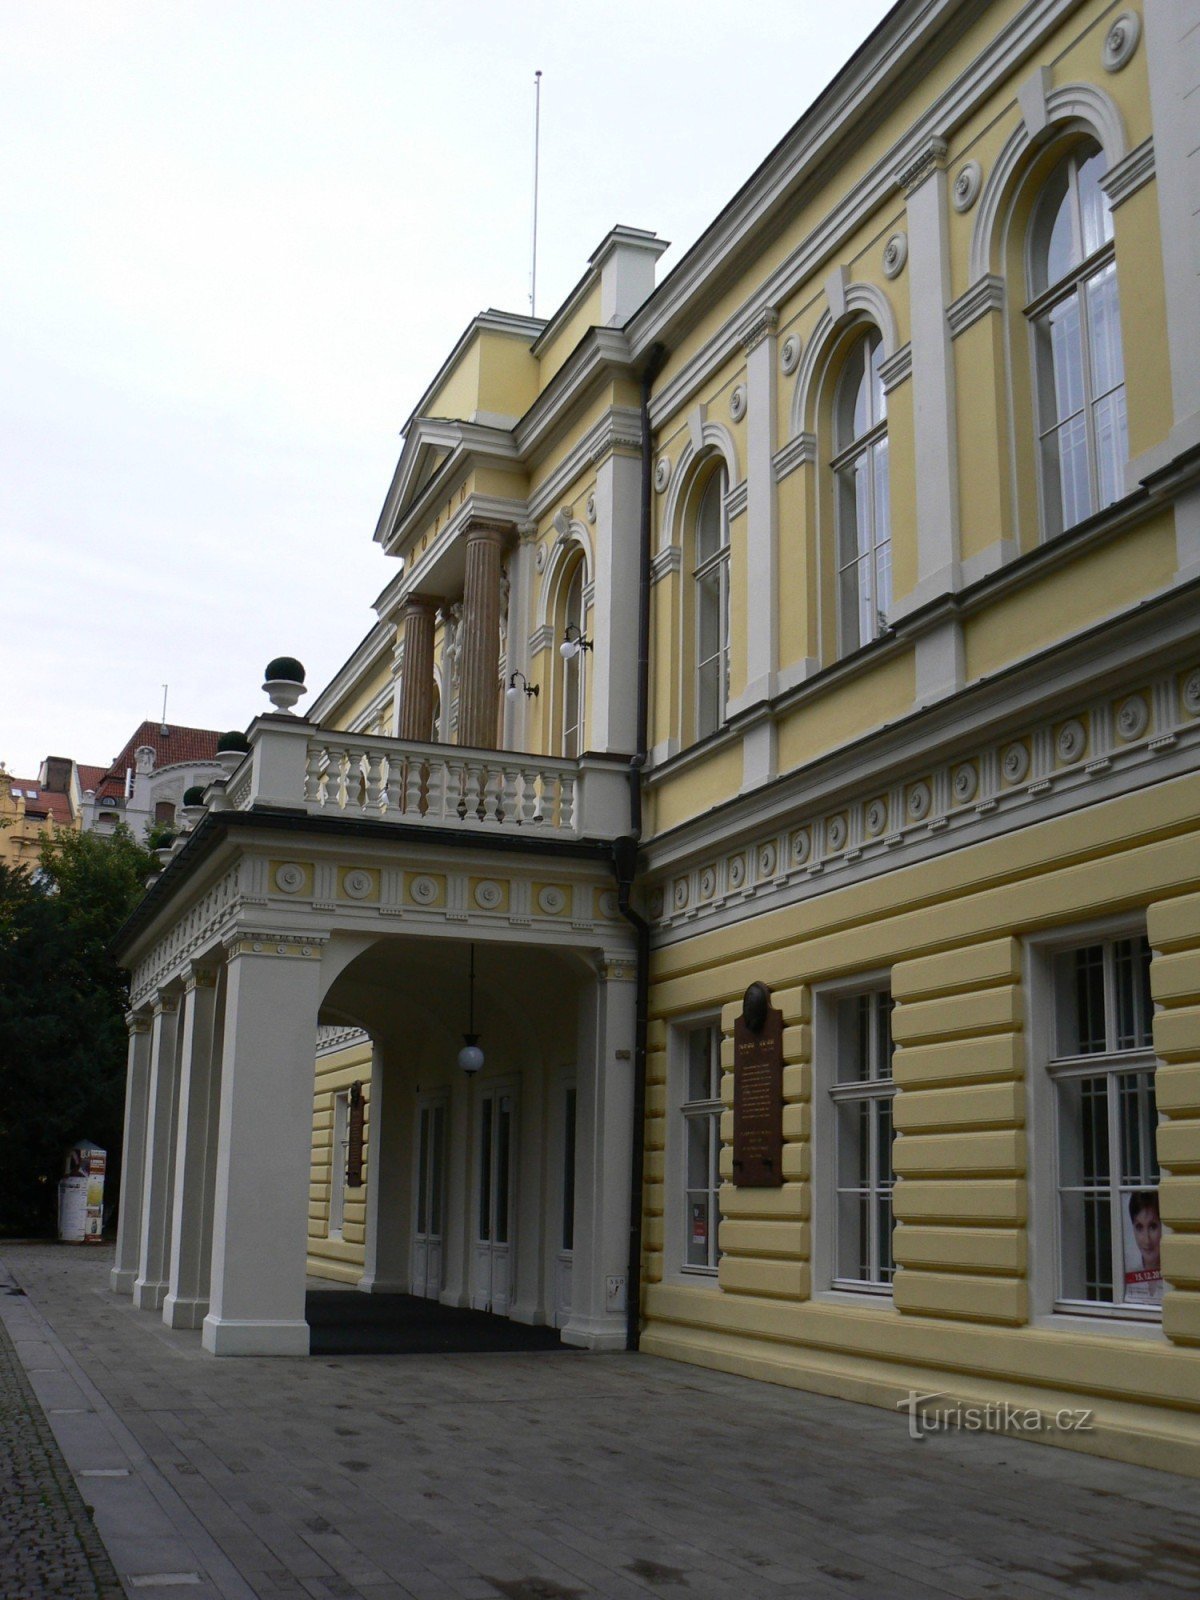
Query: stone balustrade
{"points": [[295, 765]]}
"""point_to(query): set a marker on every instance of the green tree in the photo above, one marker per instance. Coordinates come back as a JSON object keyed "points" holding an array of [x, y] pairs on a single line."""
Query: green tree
{"points": [[62, 1005]]}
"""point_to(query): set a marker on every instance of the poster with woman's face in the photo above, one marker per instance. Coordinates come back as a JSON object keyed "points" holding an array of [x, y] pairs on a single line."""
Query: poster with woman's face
{"points": [[1142, 1229]]}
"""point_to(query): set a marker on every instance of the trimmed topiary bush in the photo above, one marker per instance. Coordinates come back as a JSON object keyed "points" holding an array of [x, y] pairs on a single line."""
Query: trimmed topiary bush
{"points": [[194, 796], [234, 739], [286, 668]]}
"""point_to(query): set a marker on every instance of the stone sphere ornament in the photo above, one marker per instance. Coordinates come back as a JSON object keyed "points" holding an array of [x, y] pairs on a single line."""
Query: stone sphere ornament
{"points": [[284, 683]]}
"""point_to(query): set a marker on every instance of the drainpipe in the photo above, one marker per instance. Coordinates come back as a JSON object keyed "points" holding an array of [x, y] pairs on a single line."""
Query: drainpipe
{"points": [[625, 867]]}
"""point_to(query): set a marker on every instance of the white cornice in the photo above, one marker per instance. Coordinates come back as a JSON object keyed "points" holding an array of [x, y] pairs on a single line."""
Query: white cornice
{"points": [[618, 429], [798, 452], [982, 297], [470, 443], [1128, 176], [593, 359], [896, 369], [666, 562], [839, 120]]}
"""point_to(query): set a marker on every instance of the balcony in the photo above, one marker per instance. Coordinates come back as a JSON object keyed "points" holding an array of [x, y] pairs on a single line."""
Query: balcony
{"points": [[297, 766]]}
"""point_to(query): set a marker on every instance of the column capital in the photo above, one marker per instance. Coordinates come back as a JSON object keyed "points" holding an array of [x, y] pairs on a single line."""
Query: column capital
{"points": [[483, 529], [137, 1021], [758, 327], [163, 1004], [928, 159], [424, 603], [198, 976], [527, 532]]}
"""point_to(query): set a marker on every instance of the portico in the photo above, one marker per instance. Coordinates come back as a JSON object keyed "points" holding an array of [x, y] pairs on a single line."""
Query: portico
{"points": [[507, 1191]]}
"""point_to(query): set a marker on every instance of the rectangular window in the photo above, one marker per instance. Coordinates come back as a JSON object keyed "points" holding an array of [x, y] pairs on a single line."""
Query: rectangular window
{"points": [[1101, 1067], [701, 1129], [338, 1158], [861, 1093]]}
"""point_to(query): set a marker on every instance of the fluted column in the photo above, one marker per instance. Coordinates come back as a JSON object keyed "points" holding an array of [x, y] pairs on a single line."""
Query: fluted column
{"points": [[416, 681], [479, 684]]}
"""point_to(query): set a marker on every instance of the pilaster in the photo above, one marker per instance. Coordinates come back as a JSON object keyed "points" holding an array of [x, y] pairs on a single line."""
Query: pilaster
{"points": [[195, 1152], [133, 1153], [158, 1182]]}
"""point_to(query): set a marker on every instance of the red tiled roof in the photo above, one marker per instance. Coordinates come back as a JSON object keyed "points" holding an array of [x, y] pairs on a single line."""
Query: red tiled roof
{"points": [[90, 777], [178, 744], [56, 807]]}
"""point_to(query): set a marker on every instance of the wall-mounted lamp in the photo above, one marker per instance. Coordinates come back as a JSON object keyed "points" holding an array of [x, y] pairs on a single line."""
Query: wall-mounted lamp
{"points": [[514, 688], [573, 642], [470, 1057]]}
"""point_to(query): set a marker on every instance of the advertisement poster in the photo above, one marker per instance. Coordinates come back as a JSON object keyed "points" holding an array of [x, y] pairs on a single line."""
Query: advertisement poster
{"points": [[1143, 1238], [699, 1223]]}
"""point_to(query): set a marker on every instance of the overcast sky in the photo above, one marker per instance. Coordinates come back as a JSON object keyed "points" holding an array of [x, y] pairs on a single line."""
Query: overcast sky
{"points": [[238, 237]]}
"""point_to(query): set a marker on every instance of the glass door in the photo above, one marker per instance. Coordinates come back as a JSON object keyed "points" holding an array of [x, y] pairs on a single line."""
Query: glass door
{"points": [[491, 1285], [430, 1198]]}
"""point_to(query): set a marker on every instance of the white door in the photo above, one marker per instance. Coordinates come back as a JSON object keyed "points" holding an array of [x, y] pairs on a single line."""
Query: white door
{"points": [[566, 1220], [491, 1281], [430, 1198]]}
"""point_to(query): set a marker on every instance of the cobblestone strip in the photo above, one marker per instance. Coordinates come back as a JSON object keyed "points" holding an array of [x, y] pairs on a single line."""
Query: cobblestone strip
{"points": [[49, 1548]]}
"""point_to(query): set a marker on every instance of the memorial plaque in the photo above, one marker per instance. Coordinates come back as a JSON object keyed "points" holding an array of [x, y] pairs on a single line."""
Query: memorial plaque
{"points": [[354, 1141], [758, 1092]]}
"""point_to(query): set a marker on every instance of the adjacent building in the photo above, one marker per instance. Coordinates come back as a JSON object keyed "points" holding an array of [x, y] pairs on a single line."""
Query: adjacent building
{"points": [[823, 616], [32, 808], [145, 784]]}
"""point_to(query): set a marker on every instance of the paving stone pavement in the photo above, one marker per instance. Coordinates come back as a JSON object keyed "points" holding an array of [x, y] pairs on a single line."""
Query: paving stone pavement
{"points": [[48, 1542], [550, 1476]]}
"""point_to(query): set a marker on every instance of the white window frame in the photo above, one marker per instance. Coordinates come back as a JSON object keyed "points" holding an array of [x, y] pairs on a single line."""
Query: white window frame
{"points": [[677, 1195], [828, 1095], [848, 452], [713, 566], [574, 669], [1042, 303], [1045, 1069]]}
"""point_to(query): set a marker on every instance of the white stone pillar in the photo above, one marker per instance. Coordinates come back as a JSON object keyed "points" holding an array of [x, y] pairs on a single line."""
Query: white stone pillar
{"points": [[386, 1258], [133, 1154], [195, 1152], [603, 1141], [264, 1148], [934, 423], [612, 724], [940, 657], [159, 1180]]}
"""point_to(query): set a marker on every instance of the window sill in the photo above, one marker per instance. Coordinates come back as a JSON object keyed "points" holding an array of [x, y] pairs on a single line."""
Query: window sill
{"points": [[1109, 1324], [877, 1298]]}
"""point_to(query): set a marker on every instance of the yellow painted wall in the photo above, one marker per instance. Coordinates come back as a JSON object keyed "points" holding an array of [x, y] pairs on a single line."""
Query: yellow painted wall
{"points": [[950, 933], [340, 1260]]}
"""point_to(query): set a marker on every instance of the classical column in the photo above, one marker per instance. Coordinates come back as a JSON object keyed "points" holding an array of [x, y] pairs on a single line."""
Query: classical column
{"points": [[603, 1138], [133, 1153], [416, 681], [480, 637], [264, 1148], [195, 1152], [159, 1170]]}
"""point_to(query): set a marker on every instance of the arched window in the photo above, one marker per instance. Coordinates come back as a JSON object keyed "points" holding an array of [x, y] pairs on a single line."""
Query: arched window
{"points": [[572, 668], [860, 467], [1079, 371], [711, 576]]}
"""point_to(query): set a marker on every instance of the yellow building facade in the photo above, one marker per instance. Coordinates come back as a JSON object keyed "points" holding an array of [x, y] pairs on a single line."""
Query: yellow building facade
{"points": [[823, 616]]}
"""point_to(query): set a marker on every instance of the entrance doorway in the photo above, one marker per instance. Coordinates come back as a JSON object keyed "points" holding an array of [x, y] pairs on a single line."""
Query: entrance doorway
{"points": [[429, 1210], [492, 1257]]}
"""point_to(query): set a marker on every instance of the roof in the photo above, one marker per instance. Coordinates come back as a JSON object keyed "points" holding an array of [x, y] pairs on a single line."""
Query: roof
{"points": [[89, 777], [172, 744], [42, 802]]}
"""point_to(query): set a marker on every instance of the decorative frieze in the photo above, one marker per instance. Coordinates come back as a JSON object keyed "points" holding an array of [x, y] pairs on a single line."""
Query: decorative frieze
{"points": [[924, 162], [955, 797]]}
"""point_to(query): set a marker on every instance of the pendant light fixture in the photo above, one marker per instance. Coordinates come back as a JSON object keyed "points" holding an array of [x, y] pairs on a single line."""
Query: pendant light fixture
{"points": [[470, 1057]]}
